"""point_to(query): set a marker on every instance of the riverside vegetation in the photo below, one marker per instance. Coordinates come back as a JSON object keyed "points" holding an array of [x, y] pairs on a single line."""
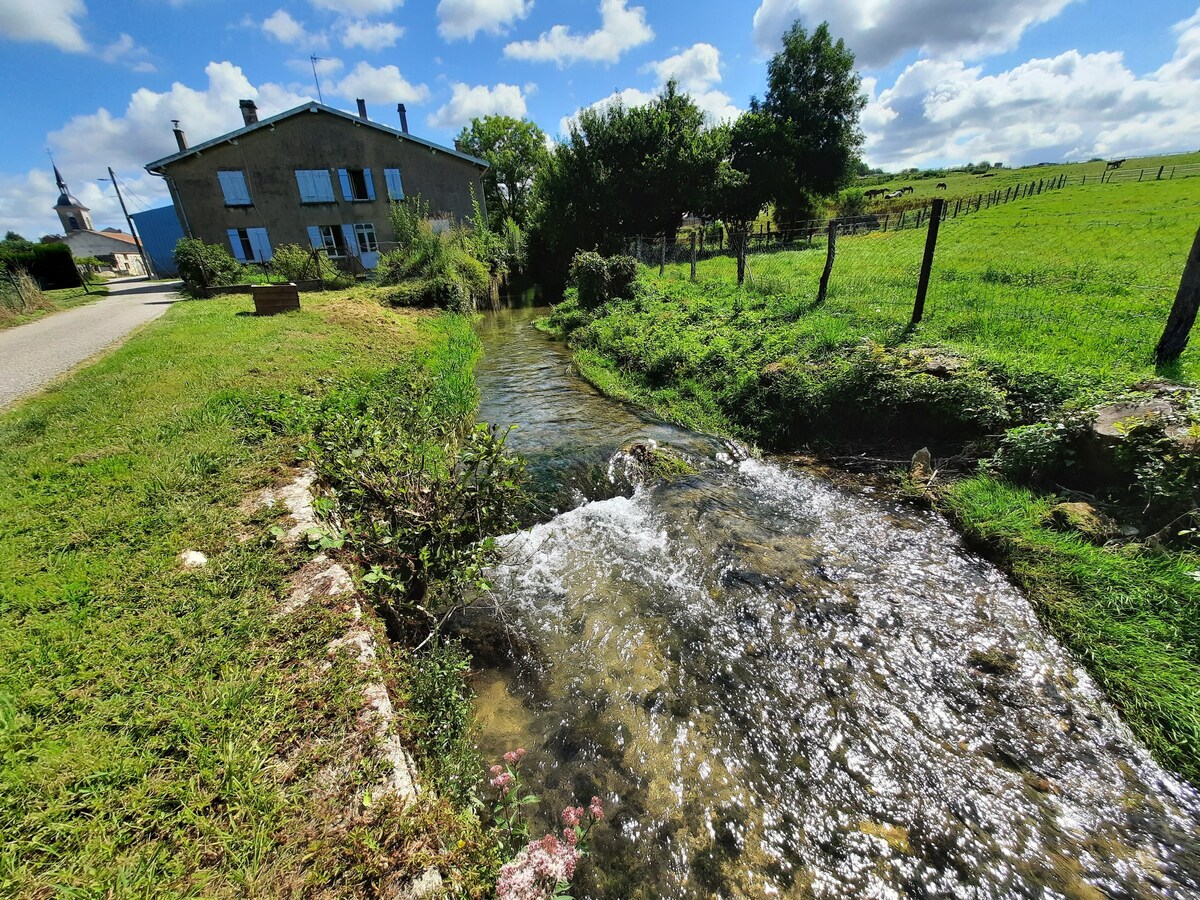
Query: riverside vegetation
{"points": [[162, 731], [765, 364]]}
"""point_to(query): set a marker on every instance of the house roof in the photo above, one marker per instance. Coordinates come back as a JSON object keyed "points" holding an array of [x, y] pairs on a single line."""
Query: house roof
{"points": [[115, 235], [309, 107]]}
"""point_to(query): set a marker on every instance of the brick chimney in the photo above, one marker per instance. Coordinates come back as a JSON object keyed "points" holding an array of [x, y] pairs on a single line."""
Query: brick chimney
{"points": [[403, 117], [180, 137], [249, 111], [362, 108]]}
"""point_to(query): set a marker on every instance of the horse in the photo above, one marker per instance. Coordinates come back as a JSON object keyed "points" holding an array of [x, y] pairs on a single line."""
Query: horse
{"points": [[941, 186], [894, 195], [872, 194], [907, 189], [1115, 164]]}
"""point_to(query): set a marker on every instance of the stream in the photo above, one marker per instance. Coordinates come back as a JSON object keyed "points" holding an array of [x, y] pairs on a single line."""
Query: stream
{"points": [[785, 688]]}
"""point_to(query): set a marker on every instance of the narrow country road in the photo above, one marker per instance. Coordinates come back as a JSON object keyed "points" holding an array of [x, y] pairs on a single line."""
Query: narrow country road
{"points": [[33, 355]]}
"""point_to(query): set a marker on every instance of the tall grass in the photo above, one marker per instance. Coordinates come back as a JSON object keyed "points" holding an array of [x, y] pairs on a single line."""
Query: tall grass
{"points": [[20, 295]]}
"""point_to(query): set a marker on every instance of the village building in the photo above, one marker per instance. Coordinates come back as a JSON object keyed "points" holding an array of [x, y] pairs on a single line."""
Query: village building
{"points": [[111, 245], [314, 176]]}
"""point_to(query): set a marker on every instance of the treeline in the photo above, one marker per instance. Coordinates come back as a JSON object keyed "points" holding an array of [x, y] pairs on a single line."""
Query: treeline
{"points": [[624, 171]]}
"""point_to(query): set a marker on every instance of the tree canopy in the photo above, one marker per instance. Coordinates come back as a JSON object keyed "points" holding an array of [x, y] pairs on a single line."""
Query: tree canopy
{"points": [[515, 148]]}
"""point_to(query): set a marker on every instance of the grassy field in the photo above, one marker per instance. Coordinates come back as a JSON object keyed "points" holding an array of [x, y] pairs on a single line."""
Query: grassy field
{"points": [[55, 301], [162, 734], [1054, 300]]}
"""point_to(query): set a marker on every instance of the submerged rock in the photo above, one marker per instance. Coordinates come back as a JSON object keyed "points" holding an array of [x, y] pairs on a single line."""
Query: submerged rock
{"points": [[922, 465], [647, 462]]}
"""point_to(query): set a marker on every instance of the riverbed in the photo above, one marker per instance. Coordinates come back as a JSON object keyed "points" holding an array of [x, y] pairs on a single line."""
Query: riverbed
{"points": [[785, 688]]}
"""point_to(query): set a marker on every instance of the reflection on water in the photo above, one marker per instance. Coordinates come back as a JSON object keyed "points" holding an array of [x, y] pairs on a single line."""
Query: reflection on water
{"points": [[772, 680]]}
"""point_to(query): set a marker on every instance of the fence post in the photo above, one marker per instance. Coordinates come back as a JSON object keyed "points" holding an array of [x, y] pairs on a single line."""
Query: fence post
{"points": [[885, 221], [920, 215], [957, 207], [1141, 172], [662, 258], [693, 256], [1158, 177], [829, 255], [900, 224], [1183, 313], [1007, 192], [743, 235], [927, 261]]}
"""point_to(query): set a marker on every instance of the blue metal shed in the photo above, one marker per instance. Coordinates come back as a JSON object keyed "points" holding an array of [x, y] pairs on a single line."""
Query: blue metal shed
{"points": [[159, 230]]}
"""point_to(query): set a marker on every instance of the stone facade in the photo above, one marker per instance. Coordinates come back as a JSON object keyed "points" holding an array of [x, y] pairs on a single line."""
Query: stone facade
{"points": [[312, 176]]}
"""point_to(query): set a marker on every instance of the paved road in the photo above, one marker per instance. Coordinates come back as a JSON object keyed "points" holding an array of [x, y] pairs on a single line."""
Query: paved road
{"points": [[33, 355]]}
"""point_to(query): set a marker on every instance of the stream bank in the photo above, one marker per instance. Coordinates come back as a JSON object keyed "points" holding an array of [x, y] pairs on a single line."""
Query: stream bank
{"points": [[789, 688]]}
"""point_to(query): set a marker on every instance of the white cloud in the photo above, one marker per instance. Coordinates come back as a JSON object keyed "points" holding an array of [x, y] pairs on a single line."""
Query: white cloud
{"points": [[466, 18], [384, 84], [125, 51], [1071, 106], [360, 8], [26, 200], [468, 102], [627, 98], [371, 35], [281, 26], [696, 69], [44, 21], [879, 32], [621, 29]]}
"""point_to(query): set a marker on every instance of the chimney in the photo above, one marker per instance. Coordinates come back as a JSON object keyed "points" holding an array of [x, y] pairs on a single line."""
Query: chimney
{"points": [[403, 117], [180, 138], [249, 111], [362, 109], [458, 146]]}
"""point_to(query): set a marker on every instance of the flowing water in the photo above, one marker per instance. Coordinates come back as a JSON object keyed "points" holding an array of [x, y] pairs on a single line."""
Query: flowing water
{"points": [[785, 688]]}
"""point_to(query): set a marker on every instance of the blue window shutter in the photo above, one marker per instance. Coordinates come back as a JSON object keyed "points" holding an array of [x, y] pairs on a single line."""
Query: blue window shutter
{"points": [[347, 193], [262, 246], [233, 186], [304, 183], [236, 243], [324, 186], [394, 185], [314, 237], [370, 184], [351, 240]]}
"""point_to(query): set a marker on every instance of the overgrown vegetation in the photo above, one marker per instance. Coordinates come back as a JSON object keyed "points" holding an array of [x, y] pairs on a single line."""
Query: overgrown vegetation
{"points": [[21, 300], [202, 265]]}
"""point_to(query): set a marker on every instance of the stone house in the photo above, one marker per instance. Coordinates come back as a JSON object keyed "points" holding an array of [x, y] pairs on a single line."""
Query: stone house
{"points": [[313, 176]]}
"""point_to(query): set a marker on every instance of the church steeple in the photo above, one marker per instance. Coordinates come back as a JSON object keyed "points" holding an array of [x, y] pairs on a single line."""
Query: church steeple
{"points": [[73, 214]]}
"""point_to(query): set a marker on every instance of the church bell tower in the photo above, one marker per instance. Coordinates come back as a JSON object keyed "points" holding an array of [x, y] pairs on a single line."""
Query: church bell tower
{"points": [[73, 214]]}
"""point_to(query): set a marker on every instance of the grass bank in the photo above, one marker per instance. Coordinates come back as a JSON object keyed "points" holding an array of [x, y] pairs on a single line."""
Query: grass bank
{"points": [[1035, 308], [14, 311], [162, 733]]}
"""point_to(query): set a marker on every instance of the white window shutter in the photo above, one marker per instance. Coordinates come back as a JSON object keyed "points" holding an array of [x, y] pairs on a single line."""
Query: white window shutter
{"points": [[351, 239], [370, 184], [314, 237], [236, 243], [347, 193]]}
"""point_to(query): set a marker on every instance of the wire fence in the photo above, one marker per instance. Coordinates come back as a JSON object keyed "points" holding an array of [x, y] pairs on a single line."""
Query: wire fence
{"points": [[1102, 286]]}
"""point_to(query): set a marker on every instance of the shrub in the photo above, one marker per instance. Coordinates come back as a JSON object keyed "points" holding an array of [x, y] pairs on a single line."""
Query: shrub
{"points": [[205, 265], [432, 268], [291, 262], [599, 280], [50, 265], [852, 202], [19, 293]]}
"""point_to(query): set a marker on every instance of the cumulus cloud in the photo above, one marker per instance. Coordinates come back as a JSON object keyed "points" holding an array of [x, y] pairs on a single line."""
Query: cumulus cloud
{"points": [[126, 51], [282, 27], [360, 8], [879, 33], [696, 69], [1071, 106], [383, 84], [467, 102], [44, 21], [371, 35], [466, 18], [621, 29]]}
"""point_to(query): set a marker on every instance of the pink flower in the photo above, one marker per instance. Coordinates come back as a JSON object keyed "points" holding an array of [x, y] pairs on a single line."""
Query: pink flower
{"points": [[571, 836], [503, 781], [512, 757], [496, 770], [572, 815], [537, 869], [596, 809]]}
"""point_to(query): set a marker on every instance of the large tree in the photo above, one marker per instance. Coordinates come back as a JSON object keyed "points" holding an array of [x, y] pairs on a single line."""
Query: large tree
{"points": [[812, 105], [515, 148]]}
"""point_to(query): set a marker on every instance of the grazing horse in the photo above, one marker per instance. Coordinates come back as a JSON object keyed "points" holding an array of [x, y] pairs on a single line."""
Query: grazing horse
{"points": [[1115, 164], [907, 189], [894, 195], [872, 194], [941, 186]]}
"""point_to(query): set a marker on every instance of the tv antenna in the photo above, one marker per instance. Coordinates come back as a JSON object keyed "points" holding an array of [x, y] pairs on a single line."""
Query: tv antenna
{"points": [[314, 59]]}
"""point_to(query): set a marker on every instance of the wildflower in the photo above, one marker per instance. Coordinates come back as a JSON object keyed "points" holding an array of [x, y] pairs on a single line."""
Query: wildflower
{"points": [[597, 809], [571, 836], [512, 757], [496, 770], [537, 870], [572, 816], [503, 781]]}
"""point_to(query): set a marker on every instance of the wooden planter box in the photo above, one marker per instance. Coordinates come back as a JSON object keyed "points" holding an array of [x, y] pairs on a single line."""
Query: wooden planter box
{"points": [[270, 299]]}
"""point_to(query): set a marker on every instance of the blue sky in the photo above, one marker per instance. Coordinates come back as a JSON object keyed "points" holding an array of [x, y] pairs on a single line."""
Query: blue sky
{"points": [[950, 81]]}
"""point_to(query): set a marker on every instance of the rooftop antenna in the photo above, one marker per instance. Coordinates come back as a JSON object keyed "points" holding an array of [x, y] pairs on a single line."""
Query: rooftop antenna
{"points": [[314, 59]]}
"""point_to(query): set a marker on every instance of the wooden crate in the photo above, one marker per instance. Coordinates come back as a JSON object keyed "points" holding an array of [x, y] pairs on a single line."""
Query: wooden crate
{"points": [[270, 299]]}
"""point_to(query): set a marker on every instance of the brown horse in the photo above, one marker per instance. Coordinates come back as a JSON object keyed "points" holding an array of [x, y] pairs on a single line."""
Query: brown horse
{"points": [[1115, 164], [941, 186]]}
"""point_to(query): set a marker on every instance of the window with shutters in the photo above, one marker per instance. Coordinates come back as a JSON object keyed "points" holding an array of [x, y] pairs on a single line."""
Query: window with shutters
{"points": [[364, 234], [233, 186], [315, 185], [331, 239], [356, 184], [249, 244]]}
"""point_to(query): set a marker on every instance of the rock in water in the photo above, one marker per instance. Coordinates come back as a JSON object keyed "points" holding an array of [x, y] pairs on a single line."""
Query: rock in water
{"points": [[922, 465]]}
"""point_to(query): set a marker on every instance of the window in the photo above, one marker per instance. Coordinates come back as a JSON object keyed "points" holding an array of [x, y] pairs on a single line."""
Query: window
{"points": [[356, 184], [394, 185], [328, 238], [233, 186], [364, 234], [72, 223], [249, 244], [315, 185]]}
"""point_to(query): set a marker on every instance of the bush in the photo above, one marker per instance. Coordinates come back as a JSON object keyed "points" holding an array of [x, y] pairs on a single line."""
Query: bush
{"points": [[852, 202], [203, 265], [291, 262], [599, 280], [50, 265], [432, 268]]}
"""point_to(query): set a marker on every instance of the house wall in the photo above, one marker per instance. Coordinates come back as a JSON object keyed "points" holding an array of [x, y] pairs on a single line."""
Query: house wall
{"points": [[92, 243], [270, 156]]}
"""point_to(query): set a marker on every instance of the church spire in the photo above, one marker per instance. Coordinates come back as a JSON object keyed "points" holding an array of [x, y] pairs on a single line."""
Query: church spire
{"points": [[62, 185], [73, 214]]}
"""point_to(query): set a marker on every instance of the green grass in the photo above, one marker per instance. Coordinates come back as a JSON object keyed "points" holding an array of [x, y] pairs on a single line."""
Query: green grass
{"points": [[160, 731], [1133, 617], [58, 300]]}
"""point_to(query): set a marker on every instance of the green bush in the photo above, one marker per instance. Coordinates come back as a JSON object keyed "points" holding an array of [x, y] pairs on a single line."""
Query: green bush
{"points": [[291, 262], [203, 265], [50, 265], [432, 268], [599, 280], [852, 202]]}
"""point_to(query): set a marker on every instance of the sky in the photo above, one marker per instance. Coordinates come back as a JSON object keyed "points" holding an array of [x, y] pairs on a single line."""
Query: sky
{"points": [[97, 82]]}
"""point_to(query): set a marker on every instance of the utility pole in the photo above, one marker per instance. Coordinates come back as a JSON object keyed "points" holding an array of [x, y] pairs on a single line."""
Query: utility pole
{"points": [[133, 231]]}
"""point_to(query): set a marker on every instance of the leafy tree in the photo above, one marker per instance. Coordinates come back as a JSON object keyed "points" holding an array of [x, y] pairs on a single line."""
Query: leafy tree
{"points": [[205, 265], [14, 242], [50, 239], [812, 104], [515, 148]]}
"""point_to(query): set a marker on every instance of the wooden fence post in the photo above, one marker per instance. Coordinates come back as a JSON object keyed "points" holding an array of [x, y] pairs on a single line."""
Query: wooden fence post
{"points": [[829, 255], [1158, 177], [693, 256], [927, 261], [742, 239], [886, 216], [662, 259], [1183, 313], [957, 207]]}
